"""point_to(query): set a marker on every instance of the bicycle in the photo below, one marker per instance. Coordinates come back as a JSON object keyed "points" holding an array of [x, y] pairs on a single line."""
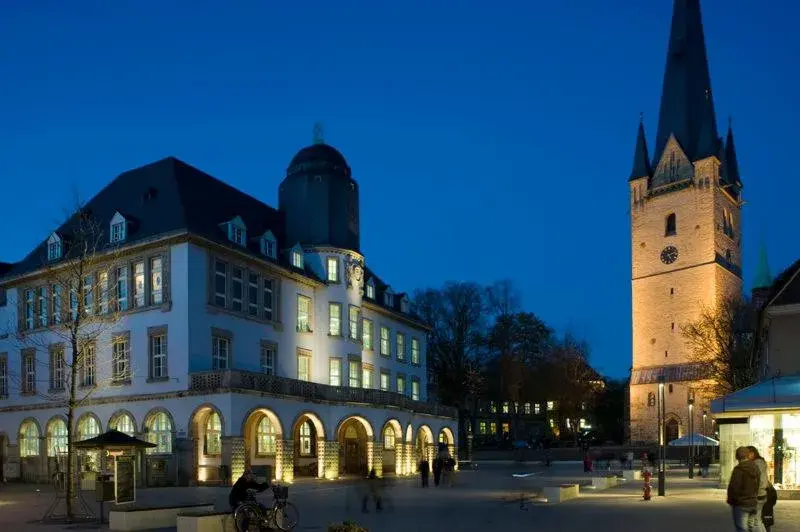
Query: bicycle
{"points": [[283, 515]]}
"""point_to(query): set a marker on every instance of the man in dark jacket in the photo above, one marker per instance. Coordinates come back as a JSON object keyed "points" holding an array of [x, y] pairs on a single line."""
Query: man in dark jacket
{"points": [[743, 492], [239, 490]]}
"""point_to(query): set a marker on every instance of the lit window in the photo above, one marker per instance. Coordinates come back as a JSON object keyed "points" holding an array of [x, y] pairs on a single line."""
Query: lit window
{"points": [[303, 365], [354, 374], [30, 311], [401, 384], [213, 435], [57, 367], [415, 390], [120, 351], [156, 281], [220, 352], [124, 423], [492, 407], [366, 333], [158, 356], [527, 408], [506, 428], [537, 408], [371, 289], [122, 288], [388, 438], [384, 381], [335, 319], [355, 319], [303, 314], [481, 427], [385, 341], [55, 294], [550, 405], [333, 269], [138, 284], [29, 439], [265, 437], [414, 351], [366, 377], [297, 259], [305, 439], [159, 431], [88, 295], [42, 306], [505, 407], [86, 365], [492, 428], [57, 438], [335, 372], [401, 347], [268, 359]]}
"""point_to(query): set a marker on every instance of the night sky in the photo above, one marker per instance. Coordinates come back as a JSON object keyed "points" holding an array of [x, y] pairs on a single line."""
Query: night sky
{"points": [[488, 142]]}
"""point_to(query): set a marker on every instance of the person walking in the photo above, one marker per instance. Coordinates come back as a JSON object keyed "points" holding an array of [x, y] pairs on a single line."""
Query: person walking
{"points": [[743, 492], [704, 462], [437, 471], [424, 471], [587, 463], [629, 459], [763, 484], [768, 512]]}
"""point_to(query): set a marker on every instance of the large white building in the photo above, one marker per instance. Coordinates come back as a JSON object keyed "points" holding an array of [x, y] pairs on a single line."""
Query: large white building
{"points": [[226, 331]]}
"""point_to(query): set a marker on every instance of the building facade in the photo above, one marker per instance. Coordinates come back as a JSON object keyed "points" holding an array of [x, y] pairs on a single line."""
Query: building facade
{"points": [[225, 331], [685, 207]]}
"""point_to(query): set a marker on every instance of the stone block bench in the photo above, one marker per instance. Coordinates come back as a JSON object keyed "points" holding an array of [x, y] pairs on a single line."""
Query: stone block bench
{"points": [[602, 483], [144, 518], [196, 521], [632, 474], [561, 493]]}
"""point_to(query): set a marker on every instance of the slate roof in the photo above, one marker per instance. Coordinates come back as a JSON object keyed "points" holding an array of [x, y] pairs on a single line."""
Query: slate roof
{"points": [[641, 160], [786, 288]]}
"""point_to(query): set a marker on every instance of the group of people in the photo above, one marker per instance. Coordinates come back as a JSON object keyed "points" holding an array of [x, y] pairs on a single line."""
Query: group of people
{"points": [[443, 467], [750, 493]]}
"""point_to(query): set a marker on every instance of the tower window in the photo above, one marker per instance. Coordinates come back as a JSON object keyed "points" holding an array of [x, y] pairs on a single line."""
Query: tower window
{"points": [[666, 353], [671, 291], [728, 255], [670, 388], [670, 225], [673, 325]]}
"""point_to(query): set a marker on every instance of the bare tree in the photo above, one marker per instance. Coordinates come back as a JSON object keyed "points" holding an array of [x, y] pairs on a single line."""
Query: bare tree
{"points": [[721, 342], [75, 303]]}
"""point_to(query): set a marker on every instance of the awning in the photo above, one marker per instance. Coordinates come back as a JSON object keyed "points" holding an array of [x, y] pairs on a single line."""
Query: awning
{"points": [[777, 393], [113, 440], [697, 440]]}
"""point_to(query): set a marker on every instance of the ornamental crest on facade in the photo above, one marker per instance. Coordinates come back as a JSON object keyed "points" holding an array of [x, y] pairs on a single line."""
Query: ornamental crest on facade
{"points": [[354, 272]]}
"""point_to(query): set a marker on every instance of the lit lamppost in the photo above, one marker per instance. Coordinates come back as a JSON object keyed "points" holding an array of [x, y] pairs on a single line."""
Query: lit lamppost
{"points": [[662, 449], [705, 442], [691, 437]]}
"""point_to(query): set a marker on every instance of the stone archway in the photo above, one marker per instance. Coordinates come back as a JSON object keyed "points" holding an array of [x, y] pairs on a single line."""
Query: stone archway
{"points": [[424, 446], [308, 440], [264, 444], [355, 437], [391, 447], [671, 429], [206, 430]]}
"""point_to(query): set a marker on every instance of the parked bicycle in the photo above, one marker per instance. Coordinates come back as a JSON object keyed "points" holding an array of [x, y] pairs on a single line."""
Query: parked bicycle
{"points": [[252, 516]]}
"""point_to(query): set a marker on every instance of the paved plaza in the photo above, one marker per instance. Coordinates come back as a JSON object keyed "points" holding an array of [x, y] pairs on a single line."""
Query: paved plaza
{"points": [[487, 499]]}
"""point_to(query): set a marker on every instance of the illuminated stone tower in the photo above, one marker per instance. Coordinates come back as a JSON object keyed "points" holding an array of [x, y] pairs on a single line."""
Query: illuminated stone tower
{"points": [[685, 232]]}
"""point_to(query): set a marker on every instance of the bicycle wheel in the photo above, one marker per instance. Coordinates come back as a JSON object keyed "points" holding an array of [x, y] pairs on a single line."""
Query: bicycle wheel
{"points": [[286, 516], [247, 518]]}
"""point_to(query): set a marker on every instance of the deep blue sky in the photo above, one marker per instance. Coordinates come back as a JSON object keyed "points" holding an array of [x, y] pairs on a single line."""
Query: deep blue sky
{"points": [[490, 139]]}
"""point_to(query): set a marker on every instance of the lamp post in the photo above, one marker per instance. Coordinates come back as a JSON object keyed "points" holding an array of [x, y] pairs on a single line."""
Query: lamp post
{"points": [[691, 437], [662, 449]]}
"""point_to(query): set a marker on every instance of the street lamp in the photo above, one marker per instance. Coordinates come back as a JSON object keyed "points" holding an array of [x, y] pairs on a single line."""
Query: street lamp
{"points": [[691, 437], [662, 449]]}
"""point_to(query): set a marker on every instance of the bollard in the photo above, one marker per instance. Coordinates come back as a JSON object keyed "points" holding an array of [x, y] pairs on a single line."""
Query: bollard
{"points": [[647, 475]]}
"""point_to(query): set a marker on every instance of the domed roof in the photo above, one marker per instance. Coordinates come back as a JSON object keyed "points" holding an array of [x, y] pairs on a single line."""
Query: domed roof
{"points": [[319, 154]]}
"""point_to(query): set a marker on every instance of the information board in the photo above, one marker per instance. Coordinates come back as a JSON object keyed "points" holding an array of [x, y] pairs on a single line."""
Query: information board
{"points": [[124, 480]]}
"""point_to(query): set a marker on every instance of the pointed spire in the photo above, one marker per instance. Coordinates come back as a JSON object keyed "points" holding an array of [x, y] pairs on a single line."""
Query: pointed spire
{"points": [[763, 278], [319, 133], [730, 157], [641, 160], [687, 105]]}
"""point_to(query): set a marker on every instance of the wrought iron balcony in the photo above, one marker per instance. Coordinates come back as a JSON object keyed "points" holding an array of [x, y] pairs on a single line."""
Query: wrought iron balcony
{"points": [[231, 380]]}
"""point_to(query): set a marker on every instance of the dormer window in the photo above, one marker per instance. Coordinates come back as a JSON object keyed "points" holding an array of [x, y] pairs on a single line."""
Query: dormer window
{"points": [[388, 298], [268, 245], [54, 247], [297, 257], [237, 231], [371, 288], [119, 227], [333, 269], [404, 304]]}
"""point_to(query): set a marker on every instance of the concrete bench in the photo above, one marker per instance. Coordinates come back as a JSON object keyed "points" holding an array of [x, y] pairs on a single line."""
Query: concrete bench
{"points": [[144, 518], [602, 483], [206, 522], [632, 474], [564, 492]]}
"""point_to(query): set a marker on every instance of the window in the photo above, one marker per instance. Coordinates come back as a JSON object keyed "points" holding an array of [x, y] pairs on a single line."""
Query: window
{"points": [[265, 437], [252, 294], [481, 427], [385, 341], [670, 225], [103, 287], [268, 358], [54, 248], [305, 439], [237, 289], [117, 232], [266, 301], [492, 407], [335, 319], [401, 347], [3, 375], [29, 372], [401, 384], [670, 388], [213, 436], [57, 368], [388, 439], [366, 333], [220, 283], [120, 353], [73, 300], [158, 353], [29, 439], [728, 255], [86, 365], [88, 295], [297, 259], [404, 306], [505, 407], [29, 309], [493, 428], [550, 405], [124, 424], [57, 437], [355, 320], [156, 281], [366, 377], [42, 310], [88, 427], [220, 352], [506, 428], [415, 351], [303, 365], [303, 314], [527, 407], [371, 289], [138, 284], [384, 381], [122, 288], [159, 431], [388, 298], [55, 294], [335, 372], [268, 245], [333, 270], [237, 234], [415, 389], [354, 376]]}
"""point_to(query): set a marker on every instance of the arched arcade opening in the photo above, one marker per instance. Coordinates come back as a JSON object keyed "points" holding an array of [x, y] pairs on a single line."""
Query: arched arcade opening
{"points": [[355, 437]]}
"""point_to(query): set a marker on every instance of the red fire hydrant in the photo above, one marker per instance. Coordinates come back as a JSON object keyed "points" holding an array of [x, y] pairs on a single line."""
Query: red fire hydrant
{"points": [[647, 476]]}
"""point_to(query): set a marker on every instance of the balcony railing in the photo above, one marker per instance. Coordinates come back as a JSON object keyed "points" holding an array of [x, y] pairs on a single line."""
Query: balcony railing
{"points": [[226, 380]]}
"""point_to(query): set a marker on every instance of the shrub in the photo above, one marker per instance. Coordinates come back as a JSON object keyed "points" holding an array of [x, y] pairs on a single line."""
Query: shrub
{"points": [[347, 526]]}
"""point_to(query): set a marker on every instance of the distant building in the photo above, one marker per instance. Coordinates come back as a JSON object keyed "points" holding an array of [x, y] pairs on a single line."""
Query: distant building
{"points": [[241, 334], [685, 207]]}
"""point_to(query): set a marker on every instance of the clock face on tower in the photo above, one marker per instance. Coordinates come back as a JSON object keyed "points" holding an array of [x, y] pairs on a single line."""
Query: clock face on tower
{"points": [[669, 254]]}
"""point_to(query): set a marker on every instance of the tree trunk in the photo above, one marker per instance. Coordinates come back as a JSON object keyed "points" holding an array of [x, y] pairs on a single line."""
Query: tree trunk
{"points": [[73, 381]]}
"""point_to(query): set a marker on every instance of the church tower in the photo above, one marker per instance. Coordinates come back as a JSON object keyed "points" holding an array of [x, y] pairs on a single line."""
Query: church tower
{"points": [[685, 233]]}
